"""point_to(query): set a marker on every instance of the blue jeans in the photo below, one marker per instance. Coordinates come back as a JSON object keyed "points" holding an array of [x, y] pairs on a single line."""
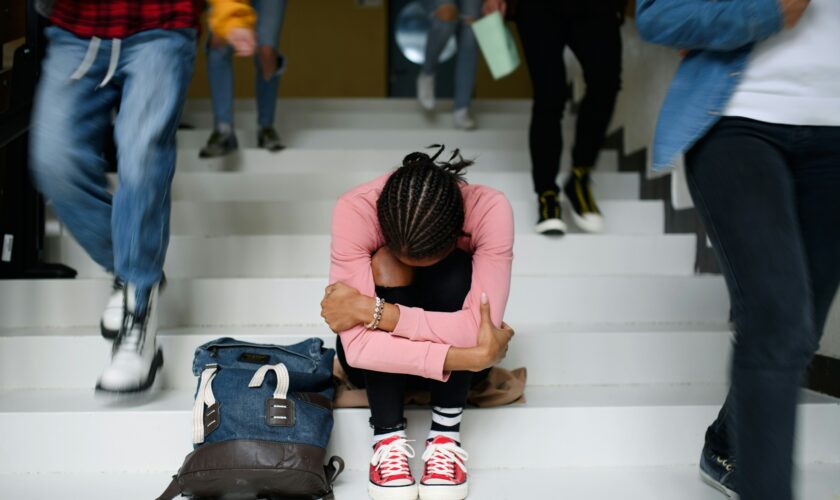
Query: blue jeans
{"points": [[467, 59], [768, 196], [220, 68], [128, 233]]}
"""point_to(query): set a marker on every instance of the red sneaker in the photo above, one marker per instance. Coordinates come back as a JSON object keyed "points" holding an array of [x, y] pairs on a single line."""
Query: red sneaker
{"points": [[390, 474], [445, 475]]}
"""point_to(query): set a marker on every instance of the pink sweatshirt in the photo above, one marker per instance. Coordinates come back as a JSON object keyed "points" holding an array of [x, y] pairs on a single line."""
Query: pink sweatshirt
{"points": [[421, 339]]}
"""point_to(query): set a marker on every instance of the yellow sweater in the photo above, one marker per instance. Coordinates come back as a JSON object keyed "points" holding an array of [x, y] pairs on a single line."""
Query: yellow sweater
{"points": [[226, 15]]}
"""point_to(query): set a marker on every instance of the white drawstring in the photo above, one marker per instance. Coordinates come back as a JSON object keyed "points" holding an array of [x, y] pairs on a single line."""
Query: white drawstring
{"points": [[112, 65], [90, 58], [204, 398], [87, 62]]}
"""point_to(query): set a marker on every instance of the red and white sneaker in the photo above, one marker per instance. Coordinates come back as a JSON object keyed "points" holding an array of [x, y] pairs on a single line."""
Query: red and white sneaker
{"points": [[390, 474], [445, 475]]}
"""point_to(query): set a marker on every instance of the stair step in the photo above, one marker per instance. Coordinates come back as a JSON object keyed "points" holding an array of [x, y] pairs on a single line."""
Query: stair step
{"points": [[590, 426], [360, 158], [266, 256], [812, 482], [406, 139], [290, 120], [389, 105], [222, 186], [315, 217], [295, 301], [559, 354]]}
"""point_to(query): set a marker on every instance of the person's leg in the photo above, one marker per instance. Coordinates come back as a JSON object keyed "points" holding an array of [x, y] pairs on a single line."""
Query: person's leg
{"points": [[596, 41], [270, 14], [220, 77], [817, 175], [69, 123], [390, 473], [444, 287], [153, 71], [745, 193], [466, 64], [156, 68], [541, 30], [445, 16]]}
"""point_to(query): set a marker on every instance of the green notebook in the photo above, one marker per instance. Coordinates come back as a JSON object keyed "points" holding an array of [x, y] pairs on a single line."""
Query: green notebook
{"points": [[496, 44]]}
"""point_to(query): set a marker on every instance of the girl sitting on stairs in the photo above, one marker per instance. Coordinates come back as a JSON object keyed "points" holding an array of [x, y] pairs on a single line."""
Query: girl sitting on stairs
{"points": [[419, 260]]}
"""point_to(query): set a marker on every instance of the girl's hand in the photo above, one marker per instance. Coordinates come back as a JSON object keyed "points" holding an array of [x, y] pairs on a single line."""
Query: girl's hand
{"points": [[491, 6], [243, 41], [492, 341], [341, 307]]}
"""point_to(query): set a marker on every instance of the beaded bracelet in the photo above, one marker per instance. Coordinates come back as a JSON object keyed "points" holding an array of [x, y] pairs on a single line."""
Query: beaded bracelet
{"points": [[377, 314]]}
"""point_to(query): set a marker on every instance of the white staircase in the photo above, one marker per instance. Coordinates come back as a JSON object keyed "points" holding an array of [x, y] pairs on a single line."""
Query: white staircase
{"points": [[626, 348]]}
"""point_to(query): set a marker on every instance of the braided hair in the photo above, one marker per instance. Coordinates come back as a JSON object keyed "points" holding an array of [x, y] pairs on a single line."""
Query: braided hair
{"points": [[421, 209]]}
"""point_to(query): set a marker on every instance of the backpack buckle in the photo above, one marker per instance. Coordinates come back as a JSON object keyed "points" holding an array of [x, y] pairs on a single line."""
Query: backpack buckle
{"points": [[279, 412]]}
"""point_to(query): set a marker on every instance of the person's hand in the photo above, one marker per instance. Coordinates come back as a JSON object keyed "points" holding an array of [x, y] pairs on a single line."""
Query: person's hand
{"points": [[491, 6], [792, 11], [243, 41], [492, 341], [340, 306]]}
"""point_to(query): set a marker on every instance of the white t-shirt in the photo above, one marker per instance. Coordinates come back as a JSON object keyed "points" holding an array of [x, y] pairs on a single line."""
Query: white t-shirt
{"points": [[793, 77]]}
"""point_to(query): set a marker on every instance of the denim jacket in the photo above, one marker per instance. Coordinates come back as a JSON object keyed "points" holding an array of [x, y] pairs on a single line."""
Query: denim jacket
{"points": [[719, 35]]}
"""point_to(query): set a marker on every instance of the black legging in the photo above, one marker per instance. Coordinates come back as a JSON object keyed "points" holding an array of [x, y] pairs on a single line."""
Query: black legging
{"points": [[546, 28], [442, 287]]}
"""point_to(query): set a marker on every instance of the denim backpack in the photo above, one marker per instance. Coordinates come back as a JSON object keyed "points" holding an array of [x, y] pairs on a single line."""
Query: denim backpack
{"points": [[261, 423]]}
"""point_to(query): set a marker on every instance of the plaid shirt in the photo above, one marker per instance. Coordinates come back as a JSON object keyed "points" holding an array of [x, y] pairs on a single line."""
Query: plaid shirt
{"points": [[123, 18]]}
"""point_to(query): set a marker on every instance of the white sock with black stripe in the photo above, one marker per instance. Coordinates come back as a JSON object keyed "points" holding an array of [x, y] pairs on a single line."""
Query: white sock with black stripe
{"points": [[446, 422]]}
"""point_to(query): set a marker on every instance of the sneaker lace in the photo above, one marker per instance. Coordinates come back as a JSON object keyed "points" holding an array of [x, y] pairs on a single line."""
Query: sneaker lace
{"points": [[392, 459], [443, 458], [726, 463], [549, 199], [131, 336], [583, 189]]}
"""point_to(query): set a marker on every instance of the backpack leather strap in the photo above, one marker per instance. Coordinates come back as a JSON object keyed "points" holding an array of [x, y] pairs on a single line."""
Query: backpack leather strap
{"points": [[172, 491]]}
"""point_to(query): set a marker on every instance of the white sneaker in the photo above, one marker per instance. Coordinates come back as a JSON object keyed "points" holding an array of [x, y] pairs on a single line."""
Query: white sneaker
{"points": [[426, 91], [135, 358], [463, 119], [112, 316]]}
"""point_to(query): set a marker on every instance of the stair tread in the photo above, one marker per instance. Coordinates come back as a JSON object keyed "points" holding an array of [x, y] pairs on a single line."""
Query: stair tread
{"points": [[814, 482], [537, 397]]}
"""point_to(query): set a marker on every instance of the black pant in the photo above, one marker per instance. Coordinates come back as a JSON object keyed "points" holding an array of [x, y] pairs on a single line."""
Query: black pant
{"points": [[546, 28], [769, 196], [442, 287]]}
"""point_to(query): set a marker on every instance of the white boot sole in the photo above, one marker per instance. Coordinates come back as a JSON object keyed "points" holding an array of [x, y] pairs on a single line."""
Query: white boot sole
{"points": [[716, 485], [444, 492], [393, 492], [157, 364], [551, 227]]}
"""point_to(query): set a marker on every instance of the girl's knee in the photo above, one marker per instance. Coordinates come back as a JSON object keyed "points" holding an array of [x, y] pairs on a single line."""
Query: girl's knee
{"points": [[389, 271]]}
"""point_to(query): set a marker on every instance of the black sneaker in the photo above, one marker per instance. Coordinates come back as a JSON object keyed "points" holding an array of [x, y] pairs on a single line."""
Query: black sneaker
{"points": [[719, 472], [550, 222], [585, 211], [268, 139], [219, 144]]}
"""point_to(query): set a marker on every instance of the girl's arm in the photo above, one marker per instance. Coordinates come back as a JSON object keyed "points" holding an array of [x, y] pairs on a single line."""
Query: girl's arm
{"points": [[708, 24], [234, 20], [354, 238], [492, 261]]}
